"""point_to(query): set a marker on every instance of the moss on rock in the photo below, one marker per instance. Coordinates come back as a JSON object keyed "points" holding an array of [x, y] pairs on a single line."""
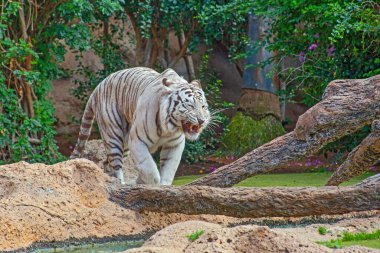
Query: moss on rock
{"points": [[245, 133]]}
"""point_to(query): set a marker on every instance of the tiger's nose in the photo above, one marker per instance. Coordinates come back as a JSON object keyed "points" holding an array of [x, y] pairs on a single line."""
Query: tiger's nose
{"points": [[200, 121]]}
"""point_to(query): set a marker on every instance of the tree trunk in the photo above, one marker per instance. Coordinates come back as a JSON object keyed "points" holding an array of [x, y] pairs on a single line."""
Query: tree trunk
{"points": [[361, 158], [182, 50], [252, 202], [148, 52], [346, 106], [28, 97], [139, 58], [187, 57]]}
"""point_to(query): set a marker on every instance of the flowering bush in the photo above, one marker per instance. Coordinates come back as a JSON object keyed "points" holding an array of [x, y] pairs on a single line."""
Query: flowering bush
{"points": [[326, 39]]}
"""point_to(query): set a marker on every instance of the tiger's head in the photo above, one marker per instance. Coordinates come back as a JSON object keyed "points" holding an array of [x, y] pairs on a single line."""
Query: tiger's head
{"points": [[188, 108]]}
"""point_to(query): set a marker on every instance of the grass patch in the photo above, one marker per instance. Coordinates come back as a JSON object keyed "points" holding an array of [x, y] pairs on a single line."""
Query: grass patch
{"points": [[364, 239], [322, 230], [286, 179], [185, 179], [195, 235], [374, 243]]}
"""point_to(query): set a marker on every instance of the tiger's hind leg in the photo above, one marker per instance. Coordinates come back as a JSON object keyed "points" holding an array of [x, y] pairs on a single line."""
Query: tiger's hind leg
{"points": [[113, 139]]}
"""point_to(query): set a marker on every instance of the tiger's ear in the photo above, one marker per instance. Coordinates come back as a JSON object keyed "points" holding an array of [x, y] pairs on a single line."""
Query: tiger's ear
{"points": [[196, 83], [167, 82]]}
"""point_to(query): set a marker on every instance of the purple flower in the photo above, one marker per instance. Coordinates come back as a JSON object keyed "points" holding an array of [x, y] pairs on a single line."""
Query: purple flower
{"points": [[330, 50], [312, 47], [232, 157], [71, 147], [301, 57], [316, 36], [212, 169], [373, 168]]}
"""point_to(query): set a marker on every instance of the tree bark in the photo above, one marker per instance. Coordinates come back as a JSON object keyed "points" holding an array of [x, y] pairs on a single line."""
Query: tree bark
{"points": [[139, 39], [187, 57], [28, 64], [360, 159], [346, 106], [148, 52], [183, 49], [252, 202]]}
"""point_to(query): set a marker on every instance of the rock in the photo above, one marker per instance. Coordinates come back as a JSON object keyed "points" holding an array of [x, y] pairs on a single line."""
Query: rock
{"points": [[217, 238], [95, 151]]}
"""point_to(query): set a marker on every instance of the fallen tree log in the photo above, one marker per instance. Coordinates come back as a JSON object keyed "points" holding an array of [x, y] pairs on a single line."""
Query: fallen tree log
{"points": [[252, 202], [361, 158], [346, 106]]}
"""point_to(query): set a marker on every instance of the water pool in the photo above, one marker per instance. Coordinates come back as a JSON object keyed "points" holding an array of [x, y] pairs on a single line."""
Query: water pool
{"points": [[94, 247]]}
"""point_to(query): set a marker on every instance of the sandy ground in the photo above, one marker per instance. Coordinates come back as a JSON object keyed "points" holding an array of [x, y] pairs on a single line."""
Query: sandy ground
{"points": [[69, 202]]}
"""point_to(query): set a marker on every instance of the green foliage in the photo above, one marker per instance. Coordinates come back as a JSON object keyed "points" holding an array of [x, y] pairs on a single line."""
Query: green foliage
{"points": [[328, 39], [195, 235], [34, 63], [225, 22], [210, 139], [322, 230], [352, 237], [16, 130], [346, 144], [110, 56], [347, 236], [246, 133], [215, 21]]}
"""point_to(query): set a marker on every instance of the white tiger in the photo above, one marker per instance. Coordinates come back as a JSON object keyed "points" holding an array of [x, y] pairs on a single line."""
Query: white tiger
{"points": [[149, 111]]}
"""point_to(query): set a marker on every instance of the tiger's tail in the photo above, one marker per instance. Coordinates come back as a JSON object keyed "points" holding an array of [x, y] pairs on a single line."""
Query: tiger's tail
{"points": [[85, 130]]}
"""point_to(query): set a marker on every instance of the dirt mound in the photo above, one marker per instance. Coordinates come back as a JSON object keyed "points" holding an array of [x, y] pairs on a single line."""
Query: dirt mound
{"points": [[68, 200], [216, 238], [58, 202]]}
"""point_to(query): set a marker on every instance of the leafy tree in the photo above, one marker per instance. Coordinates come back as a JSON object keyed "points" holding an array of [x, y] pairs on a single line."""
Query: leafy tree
{"points": [[34, 36]]}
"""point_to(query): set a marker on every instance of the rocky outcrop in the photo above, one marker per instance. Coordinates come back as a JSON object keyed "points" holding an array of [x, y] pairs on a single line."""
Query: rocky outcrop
{"points": [[217, 238]]}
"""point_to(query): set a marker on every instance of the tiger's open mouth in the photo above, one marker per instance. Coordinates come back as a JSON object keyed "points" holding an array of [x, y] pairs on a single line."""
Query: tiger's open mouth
{"points": [[190, 128]]}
